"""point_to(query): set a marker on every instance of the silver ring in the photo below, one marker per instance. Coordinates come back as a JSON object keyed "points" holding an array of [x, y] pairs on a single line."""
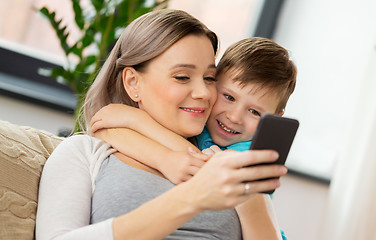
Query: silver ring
{"points": [[246, 188]]}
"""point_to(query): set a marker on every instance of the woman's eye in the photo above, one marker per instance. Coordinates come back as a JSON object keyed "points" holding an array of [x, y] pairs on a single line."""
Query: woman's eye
{"points": [[254, 112], [210, 79], [229, 97], [181, 78]]}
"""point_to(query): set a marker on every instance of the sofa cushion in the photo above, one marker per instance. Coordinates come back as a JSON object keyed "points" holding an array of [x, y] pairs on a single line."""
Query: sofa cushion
{"points": [[23, 152]]}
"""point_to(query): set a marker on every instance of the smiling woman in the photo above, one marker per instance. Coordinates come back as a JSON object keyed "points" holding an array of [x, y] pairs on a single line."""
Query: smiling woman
{"points": [[162, 65]]}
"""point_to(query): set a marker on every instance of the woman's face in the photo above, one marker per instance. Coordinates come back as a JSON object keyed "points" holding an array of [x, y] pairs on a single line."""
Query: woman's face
{"points": [[177, 88]]}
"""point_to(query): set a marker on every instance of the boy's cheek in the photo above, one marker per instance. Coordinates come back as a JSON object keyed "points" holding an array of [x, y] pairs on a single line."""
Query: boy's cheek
{"points": [[250, 130]]}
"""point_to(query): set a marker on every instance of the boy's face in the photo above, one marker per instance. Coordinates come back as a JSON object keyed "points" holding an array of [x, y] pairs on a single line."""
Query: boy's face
{"points": [[238, 109]]}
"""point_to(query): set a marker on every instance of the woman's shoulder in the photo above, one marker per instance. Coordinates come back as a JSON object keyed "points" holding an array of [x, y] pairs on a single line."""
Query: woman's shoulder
{"points": [[85, 148], [80, 139], [84, 142]]}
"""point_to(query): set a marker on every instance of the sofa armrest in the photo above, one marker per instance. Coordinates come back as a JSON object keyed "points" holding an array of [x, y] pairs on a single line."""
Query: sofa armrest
{"points": [[23, 153]]}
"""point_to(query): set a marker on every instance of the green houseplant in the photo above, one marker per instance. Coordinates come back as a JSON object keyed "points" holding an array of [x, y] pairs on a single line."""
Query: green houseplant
{"points": [[100, 23]]}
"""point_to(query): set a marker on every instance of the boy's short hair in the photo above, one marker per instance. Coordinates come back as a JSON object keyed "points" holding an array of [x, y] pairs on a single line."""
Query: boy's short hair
{"points": [[264, 62]]}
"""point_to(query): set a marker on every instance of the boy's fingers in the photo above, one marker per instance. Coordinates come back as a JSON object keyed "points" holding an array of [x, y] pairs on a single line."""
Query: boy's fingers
{"points": [[94, 119], [197, 154], [95, 126], [215, 148], [208, 151]]}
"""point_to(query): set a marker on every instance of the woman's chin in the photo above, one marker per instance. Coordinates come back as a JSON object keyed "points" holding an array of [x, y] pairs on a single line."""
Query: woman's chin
{"points": [[192, 132]]}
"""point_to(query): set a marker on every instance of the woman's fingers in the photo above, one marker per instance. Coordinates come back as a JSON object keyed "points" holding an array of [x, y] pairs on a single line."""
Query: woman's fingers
{"points": [[254, 157], [249, 188], [254, 173]]}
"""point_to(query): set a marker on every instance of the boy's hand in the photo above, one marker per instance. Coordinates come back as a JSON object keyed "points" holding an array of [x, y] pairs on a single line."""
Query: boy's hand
{"points": [[210, 151], [111, 116], [180, 166]]}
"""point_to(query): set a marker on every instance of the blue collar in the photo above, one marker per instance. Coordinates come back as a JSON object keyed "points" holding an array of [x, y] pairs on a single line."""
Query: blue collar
{"points": [[204, 141]]}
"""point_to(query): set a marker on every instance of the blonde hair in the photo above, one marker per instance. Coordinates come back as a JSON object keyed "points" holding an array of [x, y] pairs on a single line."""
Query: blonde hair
{"points": [[264, 62], [142, 40]]}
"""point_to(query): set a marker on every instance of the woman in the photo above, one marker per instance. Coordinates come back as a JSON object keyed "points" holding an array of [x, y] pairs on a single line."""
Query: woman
{"points": [[164, 64]]}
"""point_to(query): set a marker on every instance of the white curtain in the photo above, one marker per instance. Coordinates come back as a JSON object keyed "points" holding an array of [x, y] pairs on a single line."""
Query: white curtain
{"points": [[351, 212]]}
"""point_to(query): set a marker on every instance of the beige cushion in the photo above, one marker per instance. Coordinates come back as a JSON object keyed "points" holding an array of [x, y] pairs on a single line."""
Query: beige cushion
{"points": [[23, 152]]}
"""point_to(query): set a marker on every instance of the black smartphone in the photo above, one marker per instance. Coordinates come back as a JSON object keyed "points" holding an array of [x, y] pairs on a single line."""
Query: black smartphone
{"points": [[276, 133]]}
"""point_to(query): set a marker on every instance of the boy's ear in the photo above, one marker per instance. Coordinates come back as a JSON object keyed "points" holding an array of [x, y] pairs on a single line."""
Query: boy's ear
{"points": [[130, 79]]}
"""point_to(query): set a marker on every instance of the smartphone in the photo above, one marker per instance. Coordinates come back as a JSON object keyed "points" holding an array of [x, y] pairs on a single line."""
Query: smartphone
{"points": [[276, 133]]}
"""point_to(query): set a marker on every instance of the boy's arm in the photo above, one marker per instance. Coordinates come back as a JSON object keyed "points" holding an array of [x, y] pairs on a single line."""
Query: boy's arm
{"points": [[257, 218], [177, 166], [140, 121]]}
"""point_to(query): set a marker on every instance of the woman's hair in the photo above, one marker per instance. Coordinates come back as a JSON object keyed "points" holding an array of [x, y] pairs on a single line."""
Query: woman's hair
{"points": [[141, 41], [264, 62]]}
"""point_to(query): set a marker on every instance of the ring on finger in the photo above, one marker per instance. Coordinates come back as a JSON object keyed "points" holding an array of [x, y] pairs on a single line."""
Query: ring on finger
{"points": [[246, 188]]}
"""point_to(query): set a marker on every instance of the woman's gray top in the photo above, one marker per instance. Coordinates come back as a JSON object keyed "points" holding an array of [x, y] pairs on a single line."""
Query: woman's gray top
{"points": [[120, 189]]}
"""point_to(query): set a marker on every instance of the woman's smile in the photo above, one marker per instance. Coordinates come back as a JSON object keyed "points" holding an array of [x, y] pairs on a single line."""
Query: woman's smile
{"points": [[194, 111]]}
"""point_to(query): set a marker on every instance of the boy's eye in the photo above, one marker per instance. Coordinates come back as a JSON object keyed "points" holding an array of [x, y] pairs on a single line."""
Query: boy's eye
{"points": [[229, 97], [254, 112]]}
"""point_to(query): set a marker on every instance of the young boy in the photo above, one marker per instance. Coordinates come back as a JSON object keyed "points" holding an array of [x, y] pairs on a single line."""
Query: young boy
{"points": [[255, 76]]}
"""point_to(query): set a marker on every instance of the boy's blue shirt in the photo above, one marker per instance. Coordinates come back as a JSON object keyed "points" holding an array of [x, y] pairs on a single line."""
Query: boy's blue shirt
{"points": [[204, 141]]}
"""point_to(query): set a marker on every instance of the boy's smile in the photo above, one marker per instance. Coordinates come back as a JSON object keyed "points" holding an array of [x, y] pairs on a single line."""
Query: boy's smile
{"points": [[238, 109]]}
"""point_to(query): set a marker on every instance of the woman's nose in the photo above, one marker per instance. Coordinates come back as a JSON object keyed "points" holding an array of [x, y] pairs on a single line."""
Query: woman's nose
{"points": [[201, 90]]}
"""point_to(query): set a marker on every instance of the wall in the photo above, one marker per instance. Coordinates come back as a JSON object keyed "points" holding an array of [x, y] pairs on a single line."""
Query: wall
{"points": [[330, 41], [29, 114], [300, 204]]}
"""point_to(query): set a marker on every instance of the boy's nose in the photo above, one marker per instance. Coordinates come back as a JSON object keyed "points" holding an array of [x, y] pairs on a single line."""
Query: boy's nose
{"points": [[235, 115]]}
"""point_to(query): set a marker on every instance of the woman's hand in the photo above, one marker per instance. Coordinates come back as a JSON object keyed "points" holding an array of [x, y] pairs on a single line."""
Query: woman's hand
{"points": [[221, 182]]}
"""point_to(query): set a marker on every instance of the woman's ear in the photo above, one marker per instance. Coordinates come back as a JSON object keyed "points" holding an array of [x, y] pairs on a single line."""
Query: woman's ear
{"points": [[281, 112], [130, 82]]}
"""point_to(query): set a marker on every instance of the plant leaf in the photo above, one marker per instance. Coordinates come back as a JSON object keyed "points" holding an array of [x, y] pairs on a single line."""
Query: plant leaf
{"points": [[98, 4], [62, 75], [60, 31], [79, 18]]}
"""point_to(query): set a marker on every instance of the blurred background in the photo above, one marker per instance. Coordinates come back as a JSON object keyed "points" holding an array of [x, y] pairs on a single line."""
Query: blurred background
{"points": [[329, 190]]}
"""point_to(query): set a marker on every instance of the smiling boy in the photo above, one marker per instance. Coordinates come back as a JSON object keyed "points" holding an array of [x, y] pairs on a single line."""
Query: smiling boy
{"points": [[255, 76]]}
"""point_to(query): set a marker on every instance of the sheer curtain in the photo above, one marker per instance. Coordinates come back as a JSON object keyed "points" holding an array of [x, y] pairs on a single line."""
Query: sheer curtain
{"points": [[351, 212]]}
